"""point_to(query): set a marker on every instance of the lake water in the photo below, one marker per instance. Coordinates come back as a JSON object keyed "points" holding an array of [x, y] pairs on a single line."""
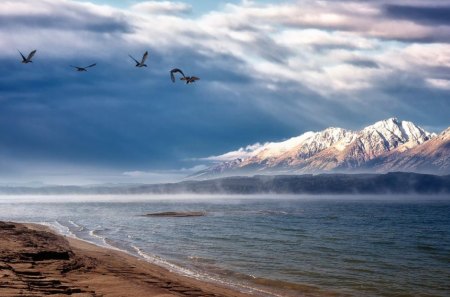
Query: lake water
{"points": [[272, 245]]}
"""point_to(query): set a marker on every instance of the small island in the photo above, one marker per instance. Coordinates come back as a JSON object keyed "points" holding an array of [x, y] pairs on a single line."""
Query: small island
{"points": [[176, 214]]}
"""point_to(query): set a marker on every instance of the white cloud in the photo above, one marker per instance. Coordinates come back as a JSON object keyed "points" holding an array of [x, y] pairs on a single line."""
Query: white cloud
{"points": [[60, 28], [306, 44], [431, 55], [439, 83], [181, 171], [154, 176], [242, 153], [317, 38], [161, 7], [288, 49]]}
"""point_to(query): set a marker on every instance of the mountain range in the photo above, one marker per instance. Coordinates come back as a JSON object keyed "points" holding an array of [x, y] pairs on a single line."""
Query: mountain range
{"points": [[388, 145]]}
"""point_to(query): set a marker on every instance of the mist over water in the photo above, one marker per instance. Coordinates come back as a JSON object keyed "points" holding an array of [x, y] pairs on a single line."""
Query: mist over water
{"points": [[280, 245]]}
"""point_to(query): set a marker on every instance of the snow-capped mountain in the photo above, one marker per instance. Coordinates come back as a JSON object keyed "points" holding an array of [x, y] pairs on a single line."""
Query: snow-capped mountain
{"points": [[330, 150], [432, 156]]}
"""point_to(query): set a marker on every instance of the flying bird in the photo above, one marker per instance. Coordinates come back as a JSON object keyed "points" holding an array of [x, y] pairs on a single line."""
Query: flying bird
{"points": [[83, 68], [173, 71], [142, 63], [190, 79], [27, 59]]}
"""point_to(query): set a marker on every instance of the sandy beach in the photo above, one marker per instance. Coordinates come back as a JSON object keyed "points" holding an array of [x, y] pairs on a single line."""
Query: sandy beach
{"points": [[35, 261]]}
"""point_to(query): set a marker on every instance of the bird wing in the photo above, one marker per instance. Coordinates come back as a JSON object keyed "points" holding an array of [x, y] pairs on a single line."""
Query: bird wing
{"points": [[144, 57], [92, 65], [31, 55], [178, 70], [173, 71], [133, 59], [76, 67], [23, 57]]}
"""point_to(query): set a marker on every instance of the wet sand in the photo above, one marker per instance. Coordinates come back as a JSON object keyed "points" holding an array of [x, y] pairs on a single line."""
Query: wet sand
{"points": [[34, 261]]}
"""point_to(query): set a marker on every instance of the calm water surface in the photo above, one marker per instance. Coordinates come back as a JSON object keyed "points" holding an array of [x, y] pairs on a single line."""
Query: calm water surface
{"points": [[286, 246]]}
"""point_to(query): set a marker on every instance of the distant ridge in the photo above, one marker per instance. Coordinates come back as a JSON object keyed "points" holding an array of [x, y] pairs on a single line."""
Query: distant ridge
{"points": [[379, 184], [431, 156], [389, 145]]}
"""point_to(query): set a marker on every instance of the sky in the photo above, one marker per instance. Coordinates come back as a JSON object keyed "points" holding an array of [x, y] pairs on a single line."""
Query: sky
{"points": [[269, 70]]}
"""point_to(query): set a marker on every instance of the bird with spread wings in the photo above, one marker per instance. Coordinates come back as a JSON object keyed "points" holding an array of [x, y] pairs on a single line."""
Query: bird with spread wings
{"points": [[142, 62], [26, 60], [83, 68], [188, 79]]}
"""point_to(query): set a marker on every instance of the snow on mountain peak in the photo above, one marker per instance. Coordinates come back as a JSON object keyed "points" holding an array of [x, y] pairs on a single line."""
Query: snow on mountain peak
{"points": [[332, 148], [404, 130], [267, 149], [382, 136], [390, 134]]}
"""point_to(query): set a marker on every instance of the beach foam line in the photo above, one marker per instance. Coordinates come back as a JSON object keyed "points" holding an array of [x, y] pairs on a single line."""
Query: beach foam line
{"points": [[58, 227], [153, 259], [75, 224], [203, 276], [92, 233], [65, 231], [161, 262]]}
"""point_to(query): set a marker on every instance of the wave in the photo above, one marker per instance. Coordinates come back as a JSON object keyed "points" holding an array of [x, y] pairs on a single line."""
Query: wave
{"points": [[204, 276], [75, 224], [61, 229], [164, 263], [58, 228]]}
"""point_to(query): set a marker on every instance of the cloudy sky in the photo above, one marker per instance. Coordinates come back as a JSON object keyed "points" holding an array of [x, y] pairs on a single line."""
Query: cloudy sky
{"points": [[269, 70]]}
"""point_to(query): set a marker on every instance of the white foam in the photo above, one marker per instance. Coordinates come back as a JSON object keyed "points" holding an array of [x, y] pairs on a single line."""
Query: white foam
{"points": [[64, 230], [104, 241], [161, 262], [75, 224], [200, 276], [58, 228]]}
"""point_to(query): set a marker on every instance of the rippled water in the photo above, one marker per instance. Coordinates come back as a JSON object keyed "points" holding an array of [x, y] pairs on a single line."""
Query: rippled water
{"points": [[296, 246]]}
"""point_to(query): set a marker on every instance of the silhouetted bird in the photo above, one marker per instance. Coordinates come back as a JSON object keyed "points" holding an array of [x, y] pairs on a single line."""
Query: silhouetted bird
{"points": [[172, 73], [190, 79], [83, 68], [142, 63], [27, 59]]}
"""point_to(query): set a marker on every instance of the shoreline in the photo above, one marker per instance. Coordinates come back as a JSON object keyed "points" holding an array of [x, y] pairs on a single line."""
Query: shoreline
{"points": [[140, 255], [34, 260], [262, 287], [284, 248]]}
